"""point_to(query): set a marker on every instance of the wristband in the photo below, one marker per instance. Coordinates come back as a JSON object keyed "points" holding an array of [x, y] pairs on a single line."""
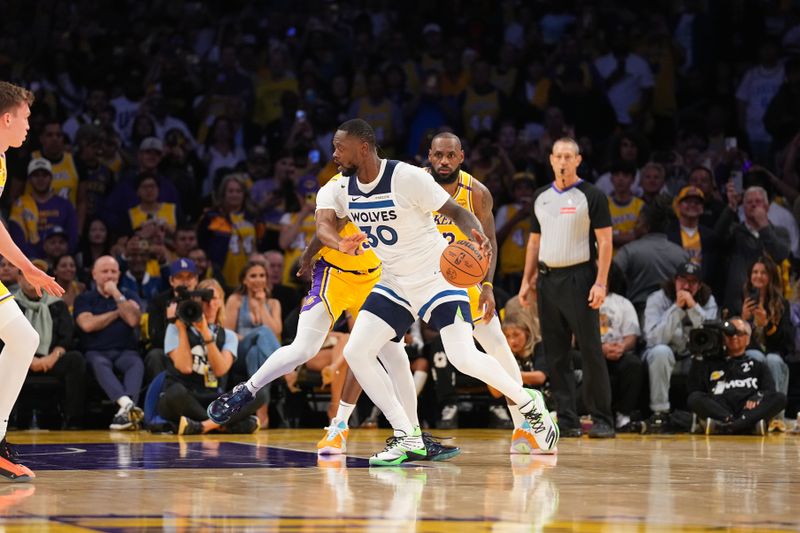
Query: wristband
{"points": [[489, 283]]}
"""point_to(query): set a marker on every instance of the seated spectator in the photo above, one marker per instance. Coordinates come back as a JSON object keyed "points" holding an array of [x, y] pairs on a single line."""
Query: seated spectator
{"points": [[184, 241], [651, 258], [8, 274], [699, 241], [200, 357], [619, 333], [35, 213], [226, 232], [713, 204], [622, 204], [108, 319], [513, 228], [530, 357], [767, 312], [683, 303], [149, 207], [289, 297], [65, 271], [730, 393], [254, 316], [96, 242], [55, 355], [205, 270], [137, 279], [653, 182], [161, 313], [55, 243], [746, 241]]}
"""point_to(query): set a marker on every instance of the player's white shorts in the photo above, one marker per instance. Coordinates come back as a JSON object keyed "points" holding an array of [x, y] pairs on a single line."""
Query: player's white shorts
{"points": [[430, 298]]}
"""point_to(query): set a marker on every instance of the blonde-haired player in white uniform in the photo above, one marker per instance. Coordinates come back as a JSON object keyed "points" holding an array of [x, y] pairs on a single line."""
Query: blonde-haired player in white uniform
{"points": [[446, 156], [392, 203], [19, 337]]}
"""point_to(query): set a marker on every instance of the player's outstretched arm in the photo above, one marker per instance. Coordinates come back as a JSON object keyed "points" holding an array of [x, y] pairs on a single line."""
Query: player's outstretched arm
{"points": [[40, 280], [328, 233]]}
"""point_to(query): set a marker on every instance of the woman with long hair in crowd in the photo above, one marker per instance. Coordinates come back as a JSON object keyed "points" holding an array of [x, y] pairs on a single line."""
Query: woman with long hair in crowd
{"points": [[95, 242], [65, 270], [256, 318], [226, 231], [767, 311]]}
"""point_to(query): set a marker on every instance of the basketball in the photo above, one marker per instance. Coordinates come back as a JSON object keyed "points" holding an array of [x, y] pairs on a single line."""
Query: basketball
{"points": [[463, 264]]}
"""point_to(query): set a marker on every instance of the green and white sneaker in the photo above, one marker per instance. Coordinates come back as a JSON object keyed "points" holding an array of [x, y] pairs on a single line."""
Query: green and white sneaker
{"points": [[539, 427], [400, 448]]}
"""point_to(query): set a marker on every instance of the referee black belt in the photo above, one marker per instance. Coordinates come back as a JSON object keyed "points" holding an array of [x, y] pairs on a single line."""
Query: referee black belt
{"points": [[356, 272], [546, 270]]}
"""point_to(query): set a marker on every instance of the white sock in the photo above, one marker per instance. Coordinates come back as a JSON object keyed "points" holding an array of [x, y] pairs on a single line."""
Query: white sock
{"points": [[420, 377], [312, 329], [395, 361], [494, 342], [369, 335], [516, 416], [21, 341], [344, 412], [462, 353], [124, 402], [622, 420]]}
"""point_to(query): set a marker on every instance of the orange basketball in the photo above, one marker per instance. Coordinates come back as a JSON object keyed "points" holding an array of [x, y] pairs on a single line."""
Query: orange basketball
{"points": [[463, 264]]}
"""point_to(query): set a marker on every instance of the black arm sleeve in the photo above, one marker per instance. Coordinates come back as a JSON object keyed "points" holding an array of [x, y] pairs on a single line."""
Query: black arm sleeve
{"points": [[599, 213]]}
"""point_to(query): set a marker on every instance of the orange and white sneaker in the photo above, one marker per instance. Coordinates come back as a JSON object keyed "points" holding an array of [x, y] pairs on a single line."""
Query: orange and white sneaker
{"points": [[335, 440], [9, 465], [523, 443]]}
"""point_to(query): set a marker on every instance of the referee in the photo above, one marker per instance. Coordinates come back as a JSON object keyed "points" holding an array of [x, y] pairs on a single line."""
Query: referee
{"points": [[570, 223]]}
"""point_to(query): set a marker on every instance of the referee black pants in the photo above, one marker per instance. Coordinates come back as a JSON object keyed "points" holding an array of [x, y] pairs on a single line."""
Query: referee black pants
{"points": [[564, 310]]}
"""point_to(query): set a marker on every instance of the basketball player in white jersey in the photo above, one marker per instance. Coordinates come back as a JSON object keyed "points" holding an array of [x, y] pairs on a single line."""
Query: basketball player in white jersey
{"points": [[446, 156], [392, 203], [19, 337]]}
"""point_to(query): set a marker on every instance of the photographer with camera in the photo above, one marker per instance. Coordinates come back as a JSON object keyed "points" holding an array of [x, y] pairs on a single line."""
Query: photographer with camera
{"points": [[729, 392], [682, 303], [201, 352], [161, 311]]}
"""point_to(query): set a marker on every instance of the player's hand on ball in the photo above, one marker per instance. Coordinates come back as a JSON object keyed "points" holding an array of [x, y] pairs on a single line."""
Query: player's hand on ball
{"points": [[351, 244], [483, 243]]}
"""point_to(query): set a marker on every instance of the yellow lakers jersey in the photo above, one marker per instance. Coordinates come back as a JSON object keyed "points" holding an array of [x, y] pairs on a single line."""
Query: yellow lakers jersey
{"points": [[356, 263], [65, 178], [165, 214], [4, 294], [463, 197], [513, 250], [623, 217], [691, 243]]}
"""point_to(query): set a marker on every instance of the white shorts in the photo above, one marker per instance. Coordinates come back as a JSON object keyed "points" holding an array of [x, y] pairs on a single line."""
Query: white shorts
{"points": [[9, 310], [431, 298]]}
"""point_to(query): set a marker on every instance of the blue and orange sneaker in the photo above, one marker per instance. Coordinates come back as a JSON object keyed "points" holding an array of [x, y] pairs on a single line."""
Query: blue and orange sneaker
{"points": [[335, 440], [228, 404]]}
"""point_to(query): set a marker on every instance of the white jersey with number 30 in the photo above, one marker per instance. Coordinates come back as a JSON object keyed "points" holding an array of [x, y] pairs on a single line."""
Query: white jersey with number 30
{"points": [[394, 211]]}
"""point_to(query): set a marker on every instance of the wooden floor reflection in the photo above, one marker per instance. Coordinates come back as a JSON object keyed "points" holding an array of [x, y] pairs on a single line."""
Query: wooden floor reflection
{"points": [[97, 481]]}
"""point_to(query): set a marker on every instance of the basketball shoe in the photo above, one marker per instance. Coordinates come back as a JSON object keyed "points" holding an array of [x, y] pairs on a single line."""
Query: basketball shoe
{"points": [[436, 451], [521, 444], [10, 468], [228, 404], [335, 440], [400, 448], [538, 428]]}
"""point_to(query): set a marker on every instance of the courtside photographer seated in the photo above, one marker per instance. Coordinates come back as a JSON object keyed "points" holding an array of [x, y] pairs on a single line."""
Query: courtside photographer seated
{"points": [[200, 353], [729, 392]]}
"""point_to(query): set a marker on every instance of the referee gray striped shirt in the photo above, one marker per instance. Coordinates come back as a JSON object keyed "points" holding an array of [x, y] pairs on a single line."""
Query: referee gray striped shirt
{"points": [[566, 221]]}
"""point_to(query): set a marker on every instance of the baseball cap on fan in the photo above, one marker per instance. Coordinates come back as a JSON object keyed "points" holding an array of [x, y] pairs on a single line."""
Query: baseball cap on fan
{"points": [[151, 143], [39, 163], [688, 270], [182, 265]]}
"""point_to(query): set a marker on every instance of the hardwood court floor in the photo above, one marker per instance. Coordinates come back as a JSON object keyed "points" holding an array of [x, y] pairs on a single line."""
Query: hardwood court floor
{"points": [[99, 481]]}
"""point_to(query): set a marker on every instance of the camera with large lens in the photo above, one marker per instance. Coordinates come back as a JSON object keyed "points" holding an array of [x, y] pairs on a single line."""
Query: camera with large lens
{"points": [[708, 340], [189, 308]]}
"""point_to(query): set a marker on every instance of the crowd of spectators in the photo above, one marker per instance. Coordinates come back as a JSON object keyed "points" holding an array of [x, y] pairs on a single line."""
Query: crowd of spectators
{"points": [[177, 144]]}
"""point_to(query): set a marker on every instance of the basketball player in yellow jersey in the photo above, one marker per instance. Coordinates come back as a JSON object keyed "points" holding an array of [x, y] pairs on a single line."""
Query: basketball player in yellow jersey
{"points": [[446, 157], [21, 340]]}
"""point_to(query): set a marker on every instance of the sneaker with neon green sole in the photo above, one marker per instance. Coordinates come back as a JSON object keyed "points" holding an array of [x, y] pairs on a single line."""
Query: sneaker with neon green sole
{"points": [[400, 448]]}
